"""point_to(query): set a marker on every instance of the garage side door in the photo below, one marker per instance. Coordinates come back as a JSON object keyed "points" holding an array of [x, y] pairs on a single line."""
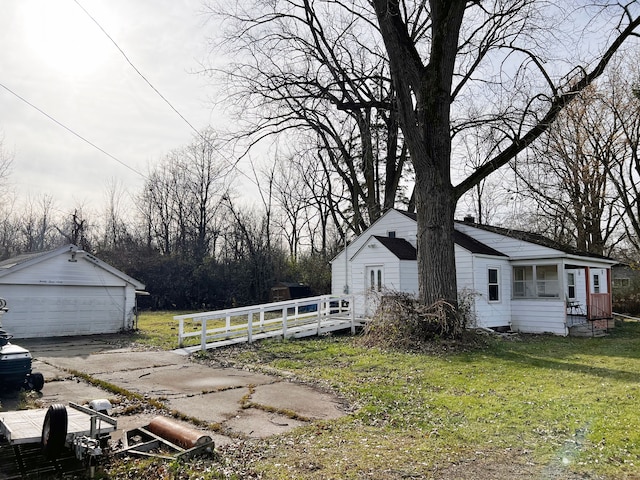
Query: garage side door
{"points": [[43, 311]]}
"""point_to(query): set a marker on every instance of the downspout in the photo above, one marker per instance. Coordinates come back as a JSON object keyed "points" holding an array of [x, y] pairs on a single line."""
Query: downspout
{"points": [[345, 290], [124, 309], [564, 288], [610, 292], [587, 281]]}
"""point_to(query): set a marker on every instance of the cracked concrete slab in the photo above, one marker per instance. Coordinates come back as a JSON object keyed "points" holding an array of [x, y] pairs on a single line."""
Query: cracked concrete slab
{"points": [[207, 393], [305, 401], [212, 407], [181, 379], [255, 423], [113, 361]]}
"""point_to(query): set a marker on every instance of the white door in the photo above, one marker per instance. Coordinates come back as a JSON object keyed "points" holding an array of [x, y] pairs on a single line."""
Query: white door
{"points": [[374, 281]]}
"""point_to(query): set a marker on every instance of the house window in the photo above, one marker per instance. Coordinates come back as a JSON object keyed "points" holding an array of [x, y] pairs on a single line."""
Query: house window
{"points": [[596, 283], [571, 286], [391, 234], [523, 281], [375, 279], [494, 285], [536, 281]]}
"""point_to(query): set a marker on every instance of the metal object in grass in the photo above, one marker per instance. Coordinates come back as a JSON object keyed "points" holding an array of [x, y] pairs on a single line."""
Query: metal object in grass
{"points": [[164, 438]]}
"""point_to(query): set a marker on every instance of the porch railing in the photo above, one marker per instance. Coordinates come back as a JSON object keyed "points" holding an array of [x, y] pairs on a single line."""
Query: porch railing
{"points": [[599, 306]]}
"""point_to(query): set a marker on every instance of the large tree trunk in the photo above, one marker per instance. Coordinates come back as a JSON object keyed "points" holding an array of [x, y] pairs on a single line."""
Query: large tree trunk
{"points": [[424, 102], [436, 261]]}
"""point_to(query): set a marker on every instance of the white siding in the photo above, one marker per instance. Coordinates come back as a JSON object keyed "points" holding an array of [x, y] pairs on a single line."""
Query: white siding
{"points": [[464, 269], [539, 316], [409, 276], [338, 275]]}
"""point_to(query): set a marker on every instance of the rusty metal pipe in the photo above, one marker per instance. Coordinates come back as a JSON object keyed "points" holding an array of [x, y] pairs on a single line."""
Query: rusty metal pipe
{"points": [[176, 433]]}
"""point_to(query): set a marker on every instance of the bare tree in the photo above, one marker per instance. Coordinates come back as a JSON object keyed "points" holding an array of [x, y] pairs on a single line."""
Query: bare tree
{"points": [[116, 228], [37, 224], [316, 71], [207, 179], [583, 178], [504, 69], [619, 102], [566, 175], [6, 164], [180, 201]]}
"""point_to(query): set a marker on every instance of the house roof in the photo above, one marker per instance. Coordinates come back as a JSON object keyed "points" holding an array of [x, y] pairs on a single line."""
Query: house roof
{"points": [[398, 246], [473, 245], [464, 240], [402, 249], [7, 267], [18, 259], [537, 239], [534, 238]]}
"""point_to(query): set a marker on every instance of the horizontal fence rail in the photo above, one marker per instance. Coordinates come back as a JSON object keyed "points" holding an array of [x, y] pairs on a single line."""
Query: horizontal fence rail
{"points": [[290, 318]]}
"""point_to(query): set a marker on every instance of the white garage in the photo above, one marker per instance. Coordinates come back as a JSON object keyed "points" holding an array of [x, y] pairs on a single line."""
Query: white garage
{"points": [[66, 291]]}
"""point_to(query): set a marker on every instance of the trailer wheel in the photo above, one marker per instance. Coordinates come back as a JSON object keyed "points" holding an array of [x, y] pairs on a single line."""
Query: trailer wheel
{"points": [[54, 431], [36, 381]]}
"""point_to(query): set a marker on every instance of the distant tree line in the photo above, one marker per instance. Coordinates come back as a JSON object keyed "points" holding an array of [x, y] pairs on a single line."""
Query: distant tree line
{"points": [[186, 235]]}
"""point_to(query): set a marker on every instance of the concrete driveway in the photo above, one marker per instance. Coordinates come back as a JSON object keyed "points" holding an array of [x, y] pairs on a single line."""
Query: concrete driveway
{"points": [[243, 404]]}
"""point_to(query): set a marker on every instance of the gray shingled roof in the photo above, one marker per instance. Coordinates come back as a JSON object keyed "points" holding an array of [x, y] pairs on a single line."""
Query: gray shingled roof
{"points": [[534, 238], [473, 245], [402, 249], [398, 246]]}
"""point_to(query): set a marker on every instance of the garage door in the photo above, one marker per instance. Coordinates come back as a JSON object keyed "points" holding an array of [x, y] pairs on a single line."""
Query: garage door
{"points": [[52, 310]]}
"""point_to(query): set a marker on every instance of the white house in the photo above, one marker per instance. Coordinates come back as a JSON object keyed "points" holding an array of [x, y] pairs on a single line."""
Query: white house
{"points": [[65, 291], [518, 280]]}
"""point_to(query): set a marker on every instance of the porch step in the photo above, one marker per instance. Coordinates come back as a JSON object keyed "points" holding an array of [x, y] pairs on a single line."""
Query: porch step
{"points": [[586, 330]]}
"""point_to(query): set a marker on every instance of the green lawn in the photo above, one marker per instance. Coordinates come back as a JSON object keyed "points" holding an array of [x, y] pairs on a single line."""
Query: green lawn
{"points": [[555, 406]]}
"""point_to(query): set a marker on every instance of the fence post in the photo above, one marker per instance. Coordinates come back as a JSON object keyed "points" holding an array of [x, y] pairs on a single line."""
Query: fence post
{"points": [[352, 314], [203, 335], [250, 327], [228, 324], [181, 332], [284, 322], [261, 317]]}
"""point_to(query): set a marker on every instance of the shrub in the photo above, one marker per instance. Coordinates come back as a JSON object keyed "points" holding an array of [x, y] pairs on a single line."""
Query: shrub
{"points": [[402, 322]]}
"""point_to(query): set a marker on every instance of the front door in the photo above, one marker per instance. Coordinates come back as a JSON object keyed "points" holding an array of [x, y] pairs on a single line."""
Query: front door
{"points": [[374, 281]]}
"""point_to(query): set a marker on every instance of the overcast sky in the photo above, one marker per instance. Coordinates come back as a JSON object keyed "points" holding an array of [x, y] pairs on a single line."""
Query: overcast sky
{"points": [[55, 57]]}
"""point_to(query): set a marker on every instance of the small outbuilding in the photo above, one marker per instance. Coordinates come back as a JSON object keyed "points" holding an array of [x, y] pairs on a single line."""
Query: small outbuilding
{"points": [[289, 291], [66, 291]]}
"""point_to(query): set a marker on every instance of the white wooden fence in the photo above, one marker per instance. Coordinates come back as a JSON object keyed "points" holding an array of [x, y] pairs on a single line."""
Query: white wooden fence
{"points": [[291, 318]]}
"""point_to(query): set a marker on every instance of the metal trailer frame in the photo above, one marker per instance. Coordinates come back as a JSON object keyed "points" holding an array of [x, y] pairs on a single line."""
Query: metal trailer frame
{"points": [[86, 433]]}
